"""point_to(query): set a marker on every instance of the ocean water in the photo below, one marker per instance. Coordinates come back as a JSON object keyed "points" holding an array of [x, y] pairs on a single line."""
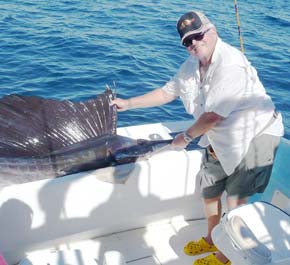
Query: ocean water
{"points": [[72, 49]]}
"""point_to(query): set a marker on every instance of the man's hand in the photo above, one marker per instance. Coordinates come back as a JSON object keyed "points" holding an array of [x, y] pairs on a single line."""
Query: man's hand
{"points": [[179, 141], [204, 123], [122, 104]]}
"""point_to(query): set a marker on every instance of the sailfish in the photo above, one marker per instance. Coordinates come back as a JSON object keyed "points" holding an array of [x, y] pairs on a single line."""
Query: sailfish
{"points": [[44, 138]]}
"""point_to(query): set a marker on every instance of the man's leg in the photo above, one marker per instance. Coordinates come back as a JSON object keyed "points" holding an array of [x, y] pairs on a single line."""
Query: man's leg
{"points": [[233, 202], [212, 209], [212, 183]]}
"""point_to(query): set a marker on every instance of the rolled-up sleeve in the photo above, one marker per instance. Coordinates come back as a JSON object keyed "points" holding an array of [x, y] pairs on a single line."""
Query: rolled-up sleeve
{"points": [[182, 81], [184, 84], [172, 87]]}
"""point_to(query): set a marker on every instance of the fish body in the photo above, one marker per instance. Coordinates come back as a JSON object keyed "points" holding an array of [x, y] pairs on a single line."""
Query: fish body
{"points": [[99, 152]]}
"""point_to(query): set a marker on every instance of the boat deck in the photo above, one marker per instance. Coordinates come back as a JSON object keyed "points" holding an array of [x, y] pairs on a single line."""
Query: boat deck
{"points": [[158, 243]]}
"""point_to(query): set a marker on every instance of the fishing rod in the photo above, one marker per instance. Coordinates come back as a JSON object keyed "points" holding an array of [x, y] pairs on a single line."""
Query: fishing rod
{"points": [[239, 26]]}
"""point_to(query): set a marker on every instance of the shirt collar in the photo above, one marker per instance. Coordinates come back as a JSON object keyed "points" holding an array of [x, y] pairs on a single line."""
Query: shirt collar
{"points": [[216, 49]]}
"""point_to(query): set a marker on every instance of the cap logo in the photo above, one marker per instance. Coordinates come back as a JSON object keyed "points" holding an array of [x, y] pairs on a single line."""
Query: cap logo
{"points": [[186, 23]]}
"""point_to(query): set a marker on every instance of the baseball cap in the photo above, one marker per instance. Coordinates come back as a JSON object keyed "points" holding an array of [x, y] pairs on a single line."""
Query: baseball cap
{"points": [[192, 22]]}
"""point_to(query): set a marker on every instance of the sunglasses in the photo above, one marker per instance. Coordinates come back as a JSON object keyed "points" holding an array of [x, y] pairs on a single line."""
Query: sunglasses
{"points": [[197, 37]]}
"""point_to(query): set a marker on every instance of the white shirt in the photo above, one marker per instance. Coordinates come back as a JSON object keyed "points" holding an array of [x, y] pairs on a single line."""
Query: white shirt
{"points": [[231, 88]]}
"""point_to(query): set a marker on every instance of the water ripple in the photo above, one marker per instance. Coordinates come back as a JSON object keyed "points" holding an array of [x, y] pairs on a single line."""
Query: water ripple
{"points": [[72, 49]]}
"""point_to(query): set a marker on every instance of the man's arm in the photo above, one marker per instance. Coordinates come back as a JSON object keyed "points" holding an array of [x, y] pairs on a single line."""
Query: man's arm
{"points": [[154, 98], [205, 122]]}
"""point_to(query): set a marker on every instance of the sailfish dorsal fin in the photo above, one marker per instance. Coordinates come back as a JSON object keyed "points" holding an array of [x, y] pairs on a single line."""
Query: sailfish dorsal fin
{"points": [[32, 126]]}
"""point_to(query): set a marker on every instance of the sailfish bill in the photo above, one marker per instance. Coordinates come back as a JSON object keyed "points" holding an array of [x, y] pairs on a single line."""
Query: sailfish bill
{"points": [[46, 138]]}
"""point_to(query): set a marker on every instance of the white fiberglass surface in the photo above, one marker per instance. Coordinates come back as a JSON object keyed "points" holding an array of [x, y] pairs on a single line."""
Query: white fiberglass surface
{"points": [[158, 243]]}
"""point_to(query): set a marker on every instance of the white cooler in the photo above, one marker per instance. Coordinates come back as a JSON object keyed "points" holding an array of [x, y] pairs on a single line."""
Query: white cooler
{"points": [[254, 234]]}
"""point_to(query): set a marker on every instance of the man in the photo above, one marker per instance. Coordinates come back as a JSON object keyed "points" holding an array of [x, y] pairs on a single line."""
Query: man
{"points": [[234, 116]]}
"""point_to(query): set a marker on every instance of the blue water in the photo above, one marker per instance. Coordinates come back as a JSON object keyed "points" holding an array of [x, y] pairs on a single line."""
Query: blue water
{"points": [[72, 49]]}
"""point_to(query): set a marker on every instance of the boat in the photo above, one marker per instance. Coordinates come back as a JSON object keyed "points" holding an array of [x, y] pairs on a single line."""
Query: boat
{"points": [[82, 220]]}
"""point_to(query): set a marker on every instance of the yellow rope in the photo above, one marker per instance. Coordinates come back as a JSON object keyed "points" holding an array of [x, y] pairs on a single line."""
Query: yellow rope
{"points": [[239, 27]]}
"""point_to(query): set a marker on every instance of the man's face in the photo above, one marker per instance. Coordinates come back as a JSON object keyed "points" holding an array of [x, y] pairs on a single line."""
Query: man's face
{"points": [[201, 45]]}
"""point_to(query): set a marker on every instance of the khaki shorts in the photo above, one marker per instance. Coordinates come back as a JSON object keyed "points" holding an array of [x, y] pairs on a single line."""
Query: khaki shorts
{"points": [[250, 176]]}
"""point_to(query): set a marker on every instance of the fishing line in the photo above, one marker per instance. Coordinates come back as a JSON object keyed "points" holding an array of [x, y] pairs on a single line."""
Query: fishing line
{"points": [[239, 26]]}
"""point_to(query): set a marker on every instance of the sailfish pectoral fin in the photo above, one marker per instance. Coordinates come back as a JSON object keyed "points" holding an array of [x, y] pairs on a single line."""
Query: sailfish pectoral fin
{"points": [[125, 158], [116, 175]]}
